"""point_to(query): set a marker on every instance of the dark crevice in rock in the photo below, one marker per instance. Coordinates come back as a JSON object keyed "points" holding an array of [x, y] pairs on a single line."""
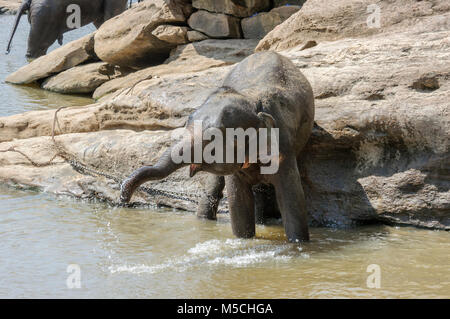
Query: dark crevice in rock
{"points": [[426, 84]]}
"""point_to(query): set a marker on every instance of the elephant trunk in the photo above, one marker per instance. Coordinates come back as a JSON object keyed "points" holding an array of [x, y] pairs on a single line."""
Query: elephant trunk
{"points": [[23, 7], [163, 168]]}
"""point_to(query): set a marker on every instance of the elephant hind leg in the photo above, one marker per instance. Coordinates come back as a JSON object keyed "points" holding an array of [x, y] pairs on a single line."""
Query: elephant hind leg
{"points": [[98, 23], [242, 210], [265, 203]]}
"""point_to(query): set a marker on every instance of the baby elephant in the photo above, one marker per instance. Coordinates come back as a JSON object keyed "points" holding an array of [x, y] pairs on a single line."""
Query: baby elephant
{"points": [[265, 93]]}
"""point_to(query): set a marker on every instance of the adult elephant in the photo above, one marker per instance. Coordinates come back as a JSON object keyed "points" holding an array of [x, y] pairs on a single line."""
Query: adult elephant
{"points": [[50, 19], [264, 91]]}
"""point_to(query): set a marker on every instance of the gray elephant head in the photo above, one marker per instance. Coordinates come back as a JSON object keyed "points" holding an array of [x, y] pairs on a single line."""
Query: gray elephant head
{"points": [[206, 143]]}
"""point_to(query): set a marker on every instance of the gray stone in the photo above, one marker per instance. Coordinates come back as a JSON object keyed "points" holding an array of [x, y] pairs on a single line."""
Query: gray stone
{"points": [[194, 36], [258, 26], [215, 25]]}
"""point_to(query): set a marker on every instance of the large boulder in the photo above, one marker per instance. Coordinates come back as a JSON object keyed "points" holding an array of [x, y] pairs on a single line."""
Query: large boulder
{"points": [[171, 34], [187, 58], [238, 8], [194, 36], [257, 26], [330, 20], [9, 6], [82, 79], [215, 25], [63, 58], [136, 38]]}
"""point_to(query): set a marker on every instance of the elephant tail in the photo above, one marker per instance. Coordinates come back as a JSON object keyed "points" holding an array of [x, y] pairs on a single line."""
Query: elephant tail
{"points": [[23, 7]]}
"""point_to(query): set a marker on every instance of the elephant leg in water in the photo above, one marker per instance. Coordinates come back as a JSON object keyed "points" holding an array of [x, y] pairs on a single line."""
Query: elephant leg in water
{"points": [[265, 201], [241, 202], [209, 202]]}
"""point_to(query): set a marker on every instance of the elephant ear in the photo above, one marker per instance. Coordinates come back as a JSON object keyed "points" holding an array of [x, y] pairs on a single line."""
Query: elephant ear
{"points": [[267, 119]]}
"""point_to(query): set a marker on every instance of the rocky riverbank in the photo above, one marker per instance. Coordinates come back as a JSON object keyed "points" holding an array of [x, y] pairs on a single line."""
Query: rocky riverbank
{"points": [[9, 6], [379, 149]]}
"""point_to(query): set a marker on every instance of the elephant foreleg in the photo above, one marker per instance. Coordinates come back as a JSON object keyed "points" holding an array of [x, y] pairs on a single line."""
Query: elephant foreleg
{"points": [[209, 202], [113, 8], [291, 200], [242, 210]]}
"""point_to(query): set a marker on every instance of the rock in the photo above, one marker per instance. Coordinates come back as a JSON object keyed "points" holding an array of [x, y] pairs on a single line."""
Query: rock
{"points": [[256, 27], [171, 34], [188, 58], [194, 36], [9, 6], [113, 151], [323, 21], [133, 38], [82, 79], [215, 25], [238, 8], [63, 58]]}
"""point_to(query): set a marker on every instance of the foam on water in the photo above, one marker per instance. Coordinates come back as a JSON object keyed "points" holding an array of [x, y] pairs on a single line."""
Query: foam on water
{"points": [[230, 252]]}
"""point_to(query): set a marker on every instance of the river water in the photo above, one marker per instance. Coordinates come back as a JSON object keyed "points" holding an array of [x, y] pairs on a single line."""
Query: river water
{"points": [[164, 253]]}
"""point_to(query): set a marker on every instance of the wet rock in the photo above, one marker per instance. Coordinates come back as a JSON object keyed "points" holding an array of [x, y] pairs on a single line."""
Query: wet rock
{"points": [[215, 25], [61, 59], [256, 27], [132, 38], [238, 8], [82, 79]]}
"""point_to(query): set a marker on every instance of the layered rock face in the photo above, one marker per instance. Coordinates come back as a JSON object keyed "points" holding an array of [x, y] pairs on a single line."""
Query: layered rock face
{"points": [[379, 149], [256, 27], [61, 59], [331, 20]]}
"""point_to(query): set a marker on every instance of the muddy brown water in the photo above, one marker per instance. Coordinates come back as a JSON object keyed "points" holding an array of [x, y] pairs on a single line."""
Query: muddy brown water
{"points": [[164, 253]]}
